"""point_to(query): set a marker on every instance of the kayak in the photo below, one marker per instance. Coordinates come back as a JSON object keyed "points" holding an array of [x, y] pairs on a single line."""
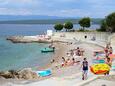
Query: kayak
{"points": [[99, 68], [44, 73], [47, 50]]}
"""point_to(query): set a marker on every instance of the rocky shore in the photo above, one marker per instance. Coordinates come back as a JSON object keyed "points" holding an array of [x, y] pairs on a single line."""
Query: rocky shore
{"points": [[24, 74]]}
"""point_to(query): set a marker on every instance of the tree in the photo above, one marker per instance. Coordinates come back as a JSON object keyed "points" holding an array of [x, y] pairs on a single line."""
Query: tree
{"points": [[68, 26], [110, 20], [85, 22], [104, 26], [58, 27]]}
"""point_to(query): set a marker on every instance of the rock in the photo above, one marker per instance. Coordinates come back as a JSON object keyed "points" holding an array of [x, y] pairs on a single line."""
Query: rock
{"points": [[27, 39], [27, 73], [14, 73], [6, 74], [2, 77]]}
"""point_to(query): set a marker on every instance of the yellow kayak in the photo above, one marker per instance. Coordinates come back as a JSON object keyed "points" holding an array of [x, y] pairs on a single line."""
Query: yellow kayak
{"points": [[99, 68]]}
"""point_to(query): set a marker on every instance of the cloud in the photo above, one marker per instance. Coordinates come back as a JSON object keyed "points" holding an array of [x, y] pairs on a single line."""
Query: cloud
{"points": [[70, 13], [7, 11], [68, 8]]}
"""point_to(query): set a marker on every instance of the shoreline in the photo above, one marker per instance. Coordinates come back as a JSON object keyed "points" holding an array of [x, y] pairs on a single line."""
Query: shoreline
{"points": [[66, 71], [62, 48]]}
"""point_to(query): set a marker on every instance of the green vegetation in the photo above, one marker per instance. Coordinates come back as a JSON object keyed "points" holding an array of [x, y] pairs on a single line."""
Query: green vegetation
{"points": [[58, 27], [68, 26], [108, 24], [85, 22], [103, 26], [110, 20]]}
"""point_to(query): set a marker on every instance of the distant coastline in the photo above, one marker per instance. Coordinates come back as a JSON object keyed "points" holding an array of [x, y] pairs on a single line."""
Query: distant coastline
{"points": [[48, 21]]}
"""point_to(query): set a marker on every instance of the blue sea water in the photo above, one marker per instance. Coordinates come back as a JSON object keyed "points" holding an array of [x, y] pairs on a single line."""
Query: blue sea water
{"points": [[17, 56]]}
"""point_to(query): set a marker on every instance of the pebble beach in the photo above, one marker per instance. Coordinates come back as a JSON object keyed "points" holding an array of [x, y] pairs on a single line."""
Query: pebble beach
{"points": [[69, 74]]}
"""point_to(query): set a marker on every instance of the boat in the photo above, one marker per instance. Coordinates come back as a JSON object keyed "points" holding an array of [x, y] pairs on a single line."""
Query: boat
{"points": [[44, 73], [45, 50]]}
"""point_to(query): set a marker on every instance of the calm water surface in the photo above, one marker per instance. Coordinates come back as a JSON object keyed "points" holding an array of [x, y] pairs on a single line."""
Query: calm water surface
{"points": [[17, 56]]}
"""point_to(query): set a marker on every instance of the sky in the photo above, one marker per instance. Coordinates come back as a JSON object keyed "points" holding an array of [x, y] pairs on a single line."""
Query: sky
{"points": [[61, 8]]}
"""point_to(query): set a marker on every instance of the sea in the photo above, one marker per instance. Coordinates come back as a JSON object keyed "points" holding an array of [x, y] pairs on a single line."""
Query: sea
{"points": [[19, 55]]}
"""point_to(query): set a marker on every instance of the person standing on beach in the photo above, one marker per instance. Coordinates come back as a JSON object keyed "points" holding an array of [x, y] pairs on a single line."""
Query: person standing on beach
{"points": [[110, 50], [84, 69], [109, 63], [63, 62]]}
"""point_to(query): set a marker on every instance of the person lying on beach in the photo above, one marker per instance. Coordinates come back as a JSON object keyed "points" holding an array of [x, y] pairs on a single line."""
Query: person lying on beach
{"points": [[68, 62], [82, 52], [74, 61], [79, 52], [71, 62], [70, 53]]}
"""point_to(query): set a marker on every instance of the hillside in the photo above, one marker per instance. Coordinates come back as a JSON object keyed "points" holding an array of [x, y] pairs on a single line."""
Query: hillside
{"points": [[48, 21]]}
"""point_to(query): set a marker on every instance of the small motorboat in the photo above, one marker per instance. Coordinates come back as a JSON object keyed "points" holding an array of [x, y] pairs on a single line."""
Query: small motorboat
{"points": [[45, 50]]}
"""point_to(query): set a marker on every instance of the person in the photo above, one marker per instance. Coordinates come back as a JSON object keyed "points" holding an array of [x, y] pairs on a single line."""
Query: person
{"points": [[68, 62], [84, 69], [110, 50], [52, 61], [78, 51], [73, 61], [82, 52], [106, 50], [93, 38], [108, 62], [63, 61], [71, 52], [85, 37]]}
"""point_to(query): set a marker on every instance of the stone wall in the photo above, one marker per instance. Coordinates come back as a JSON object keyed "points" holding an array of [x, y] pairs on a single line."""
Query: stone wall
{"points": [[100, 36]]}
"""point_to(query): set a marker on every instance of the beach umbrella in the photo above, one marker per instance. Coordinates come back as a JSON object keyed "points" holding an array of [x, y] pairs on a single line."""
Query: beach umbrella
{"points": [[99, 68]]}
